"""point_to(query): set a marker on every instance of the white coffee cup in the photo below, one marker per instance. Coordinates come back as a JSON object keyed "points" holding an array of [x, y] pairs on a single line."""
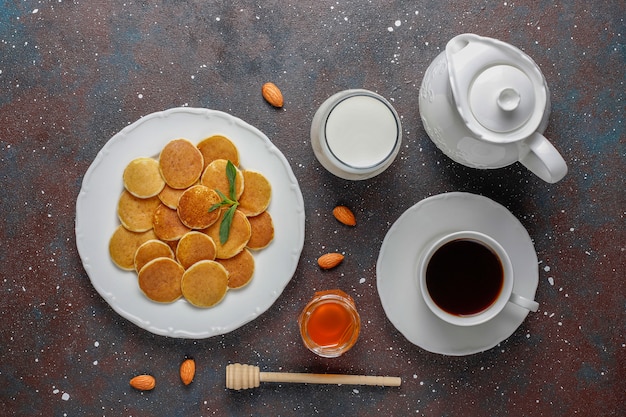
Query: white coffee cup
{"points": [[466, 278], [356, 134]]}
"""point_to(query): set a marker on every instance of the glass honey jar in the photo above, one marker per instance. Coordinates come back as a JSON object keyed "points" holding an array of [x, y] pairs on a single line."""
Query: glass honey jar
{"points": [[330, 323]]}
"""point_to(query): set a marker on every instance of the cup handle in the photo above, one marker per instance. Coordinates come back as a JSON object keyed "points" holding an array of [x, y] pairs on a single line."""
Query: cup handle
{"points": [[542, 159], [524, 302]]}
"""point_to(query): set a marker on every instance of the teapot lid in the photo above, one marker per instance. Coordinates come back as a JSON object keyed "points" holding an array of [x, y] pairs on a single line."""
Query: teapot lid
{"points": [[499, 91]]}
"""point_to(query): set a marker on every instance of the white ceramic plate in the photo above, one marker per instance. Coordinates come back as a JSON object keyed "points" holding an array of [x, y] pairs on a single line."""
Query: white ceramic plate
{"points": [[96, 219], [397, 263]]}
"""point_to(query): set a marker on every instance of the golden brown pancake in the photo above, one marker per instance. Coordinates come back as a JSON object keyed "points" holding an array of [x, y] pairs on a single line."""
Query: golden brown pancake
{"points": [[218, 147], [169, 196], [150, 250], [173, 244], [142, 177], [256, 195], [194, 207], [215, 178], [193, 247], [181, 163], [160, 280], [123, 245], [205, 283], [238, 238], [167, 224], [240, 269], [136, 213], [262, 231]]}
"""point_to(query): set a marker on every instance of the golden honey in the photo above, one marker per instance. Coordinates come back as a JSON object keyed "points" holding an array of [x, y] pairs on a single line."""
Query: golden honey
{"points": [[330, 323]]}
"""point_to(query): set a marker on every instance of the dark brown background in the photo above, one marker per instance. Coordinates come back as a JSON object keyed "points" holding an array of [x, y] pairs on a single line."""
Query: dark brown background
{"points": [[72, 74]]}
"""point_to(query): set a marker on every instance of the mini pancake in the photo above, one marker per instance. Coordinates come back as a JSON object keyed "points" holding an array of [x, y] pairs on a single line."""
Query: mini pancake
{"points": [[194, 205], [123, 245], [181, 163], [150, 250], [218, 147], [262, 231], [205, 283], [136, 213], [160, 280], [215, 178], [256, 194], [167, 224], [240, 269], [142, 177], [238, 238], [173, 244], [193, 247], [169, 196]]}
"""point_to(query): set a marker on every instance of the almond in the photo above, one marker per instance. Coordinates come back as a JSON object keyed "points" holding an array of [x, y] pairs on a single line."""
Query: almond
{"points": [[344, 215], [272, 94], [143, 382], [330, 260], [187, 371]]}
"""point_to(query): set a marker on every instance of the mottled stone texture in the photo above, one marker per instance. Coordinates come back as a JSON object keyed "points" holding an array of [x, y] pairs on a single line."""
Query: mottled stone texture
{"points": [[73, 73]]}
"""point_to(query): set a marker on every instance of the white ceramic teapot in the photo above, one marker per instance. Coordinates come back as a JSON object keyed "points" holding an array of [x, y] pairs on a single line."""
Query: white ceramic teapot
{"points": [[485, 104]]}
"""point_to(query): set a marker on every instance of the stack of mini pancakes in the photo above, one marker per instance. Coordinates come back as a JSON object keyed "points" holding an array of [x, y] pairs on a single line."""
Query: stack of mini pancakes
{"points": [[170, 236]]}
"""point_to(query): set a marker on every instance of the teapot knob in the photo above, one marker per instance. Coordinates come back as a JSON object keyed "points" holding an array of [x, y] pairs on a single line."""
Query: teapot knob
{"points": [[509, 99]]}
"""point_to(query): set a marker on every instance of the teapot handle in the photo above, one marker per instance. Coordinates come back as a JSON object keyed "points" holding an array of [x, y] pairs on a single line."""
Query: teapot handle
{"points": [[542, 159]]}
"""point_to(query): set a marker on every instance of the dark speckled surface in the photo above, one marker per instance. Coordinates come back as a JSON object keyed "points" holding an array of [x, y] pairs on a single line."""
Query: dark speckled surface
{"points": [[73, 73]]}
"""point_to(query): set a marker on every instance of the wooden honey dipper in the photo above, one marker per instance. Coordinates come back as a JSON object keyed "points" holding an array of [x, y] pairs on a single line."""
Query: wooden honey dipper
{"points": [[240, 376]]}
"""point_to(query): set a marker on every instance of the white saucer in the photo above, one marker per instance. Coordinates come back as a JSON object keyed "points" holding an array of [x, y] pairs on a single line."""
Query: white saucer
{"points": [[398, 287]]}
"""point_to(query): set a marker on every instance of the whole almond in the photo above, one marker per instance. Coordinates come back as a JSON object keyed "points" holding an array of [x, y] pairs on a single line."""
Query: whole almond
{"points": [[330, 260], [143, 382], [187, 371], [272, 94], [344, 215]]}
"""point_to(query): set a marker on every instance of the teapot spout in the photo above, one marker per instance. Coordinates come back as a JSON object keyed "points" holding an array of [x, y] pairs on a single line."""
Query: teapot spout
{"points": [[456, 44]]}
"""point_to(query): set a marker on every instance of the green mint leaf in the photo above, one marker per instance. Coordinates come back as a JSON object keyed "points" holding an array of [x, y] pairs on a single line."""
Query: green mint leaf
{"points": [[231, 174], [225, 200], [216, 206], [221, 194], [226, 222]]}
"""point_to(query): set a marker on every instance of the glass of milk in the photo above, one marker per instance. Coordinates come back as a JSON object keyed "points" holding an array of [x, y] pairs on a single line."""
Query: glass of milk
{"points": [[356, 134]]}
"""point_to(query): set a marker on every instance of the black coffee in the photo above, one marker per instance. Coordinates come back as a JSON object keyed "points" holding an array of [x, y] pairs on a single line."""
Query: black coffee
{"points": [[464, 277]]}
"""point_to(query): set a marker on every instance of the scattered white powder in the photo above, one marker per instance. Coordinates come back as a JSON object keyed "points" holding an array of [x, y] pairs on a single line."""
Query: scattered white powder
{"points": [[96, 343], [65, 396], [546, 268], [551, 280], [35, 11], [398, 23], [140, 95], [356, 391], [362, 280]]}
